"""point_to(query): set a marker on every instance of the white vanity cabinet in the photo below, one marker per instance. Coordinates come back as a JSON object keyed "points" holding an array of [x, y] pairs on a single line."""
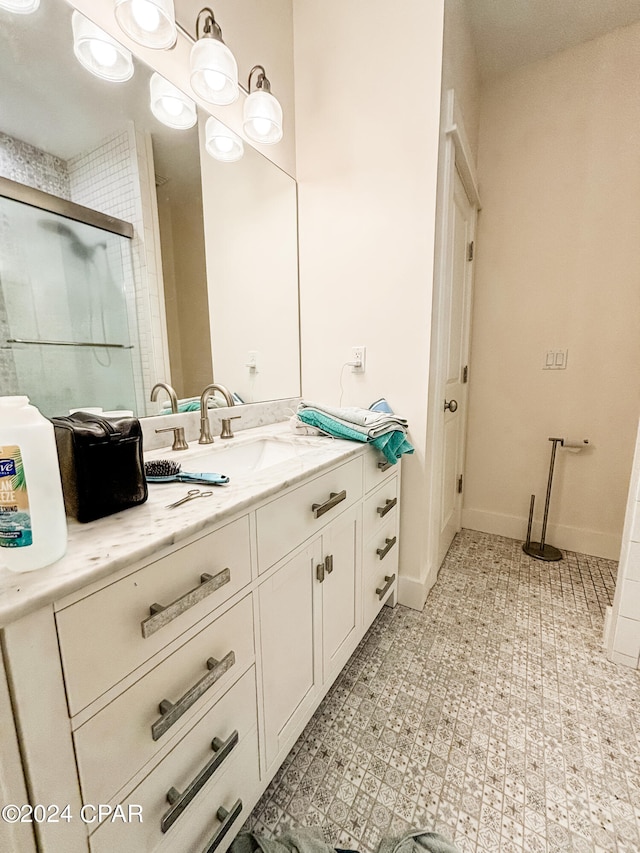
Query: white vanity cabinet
{"points": [[310, 623], [15, 836], [176, 685]]}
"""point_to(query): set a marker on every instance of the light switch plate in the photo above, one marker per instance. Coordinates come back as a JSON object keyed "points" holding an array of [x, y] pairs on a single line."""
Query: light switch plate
{"points": [[555, 359]]}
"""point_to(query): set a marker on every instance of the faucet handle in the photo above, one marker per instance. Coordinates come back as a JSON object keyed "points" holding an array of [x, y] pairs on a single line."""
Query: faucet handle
{"points": [[179, 441], [226, 426]]}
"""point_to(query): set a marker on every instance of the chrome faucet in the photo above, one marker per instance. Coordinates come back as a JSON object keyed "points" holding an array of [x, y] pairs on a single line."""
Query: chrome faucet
{"points": [[172, 395], [205, 427], [179, 440]]}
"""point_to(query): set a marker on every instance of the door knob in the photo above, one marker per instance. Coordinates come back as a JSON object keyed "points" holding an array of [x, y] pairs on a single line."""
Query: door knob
{"points": [[452, 405]]}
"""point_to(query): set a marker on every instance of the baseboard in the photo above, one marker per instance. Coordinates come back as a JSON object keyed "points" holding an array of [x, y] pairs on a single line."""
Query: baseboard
{"points": [[582, 540], [413, 592]]}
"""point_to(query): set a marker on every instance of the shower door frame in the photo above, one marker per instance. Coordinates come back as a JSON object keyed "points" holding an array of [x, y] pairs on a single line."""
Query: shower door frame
{"points": [[69, 209]]}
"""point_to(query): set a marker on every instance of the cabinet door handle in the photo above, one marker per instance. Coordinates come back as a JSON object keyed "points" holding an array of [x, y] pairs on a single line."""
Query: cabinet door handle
{"points": [[383, 590], [328, 563], [171, 713], [227, 819], [162, 614], [334, 499], [384, 466], [179, 801], [383, 510], [382, 552]]}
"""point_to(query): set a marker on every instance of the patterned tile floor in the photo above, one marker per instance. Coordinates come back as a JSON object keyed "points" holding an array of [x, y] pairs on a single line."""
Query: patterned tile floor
{"points": [[492, 717]]}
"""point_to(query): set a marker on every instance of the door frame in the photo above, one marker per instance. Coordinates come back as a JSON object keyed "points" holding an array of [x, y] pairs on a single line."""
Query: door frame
{"points": [[456, 156]]}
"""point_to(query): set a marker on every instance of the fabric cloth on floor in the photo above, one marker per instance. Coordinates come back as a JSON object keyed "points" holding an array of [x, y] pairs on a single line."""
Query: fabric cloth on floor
{"points": [[311, 841]]}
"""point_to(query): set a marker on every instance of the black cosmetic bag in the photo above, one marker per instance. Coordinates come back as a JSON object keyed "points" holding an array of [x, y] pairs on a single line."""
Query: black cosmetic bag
{"points": [[101, 464]]}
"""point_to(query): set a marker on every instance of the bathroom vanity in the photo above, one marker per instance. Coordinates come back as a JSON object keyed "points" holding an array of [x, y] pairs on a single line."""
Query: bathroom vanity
{"points": [[162, 670]]}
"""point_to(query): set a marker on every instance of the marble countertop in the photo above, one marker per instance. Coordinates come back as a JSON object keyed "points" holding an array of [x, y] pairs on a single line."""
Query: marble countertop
{"points": [[102, 547]]}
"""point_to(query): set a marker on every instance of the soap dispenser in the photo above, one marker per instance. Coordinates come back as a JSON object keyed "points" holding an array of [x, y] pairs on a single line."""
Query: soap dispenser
{"points": [[33, 526]]}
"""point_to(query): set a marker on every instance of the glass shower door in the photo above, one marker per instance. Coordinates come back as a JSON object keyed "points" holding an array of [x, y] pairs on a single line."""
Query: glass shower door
{"points": [[68, 337]]}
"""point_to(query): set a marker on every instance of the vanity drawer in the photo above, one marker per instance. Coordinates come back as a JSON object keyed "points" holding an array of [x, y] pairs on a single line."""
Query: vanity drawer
{"points": [[288, 521], [377, 468], [237, 778], [116, 617], [379, 569], [380, 507], [121, 738]]}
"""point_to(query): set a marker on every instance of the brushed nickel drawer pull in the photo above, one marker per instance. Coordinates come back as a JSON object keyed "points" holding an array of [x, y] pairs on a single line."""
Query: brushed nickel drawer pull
{"points": [[382, 552], [383, 510], [384, 466], [171, 713], [179, 802], [162, 614], [334, 499], [383, 590], [227, 819]]}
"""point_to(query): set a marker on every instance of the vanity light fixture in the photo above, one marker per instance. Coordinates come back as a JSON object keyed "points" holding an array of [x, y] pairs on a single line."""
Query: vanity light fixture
{"points": [[20, 7], [100, 54], [170, 105], [214, 70], [151, 23], [222, 143], [262, 113]]}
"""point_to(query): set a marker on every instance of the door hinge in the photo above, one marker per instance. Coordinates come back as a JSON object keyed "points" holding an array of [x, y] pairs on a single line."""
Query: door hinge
{"points": [[470, 249], [460, 484], [465, 373]]}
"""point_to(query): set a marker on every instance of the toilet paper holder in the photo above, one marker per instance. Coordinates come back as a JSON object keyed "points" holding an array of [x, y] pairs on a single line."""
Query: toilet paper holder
{"points": [[541, 550]]}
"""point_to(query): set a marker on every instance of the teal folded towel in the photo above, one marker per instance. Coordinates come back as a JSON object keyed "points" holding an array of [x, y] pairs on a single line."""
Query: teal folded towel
{"points": [[192, 406], [392, 444]]}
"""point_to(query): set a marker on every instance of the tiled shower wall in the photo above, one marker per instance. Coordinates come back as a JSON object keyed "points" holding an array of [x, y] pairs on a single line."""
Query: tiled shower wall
{"points": [[623, 635], [35, 168], [113, 178]]}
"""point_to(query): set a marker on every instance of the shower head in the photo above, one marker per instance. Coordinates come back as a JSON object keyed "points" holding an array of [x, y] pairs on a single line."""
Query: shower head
{"points": [[80, 249]]}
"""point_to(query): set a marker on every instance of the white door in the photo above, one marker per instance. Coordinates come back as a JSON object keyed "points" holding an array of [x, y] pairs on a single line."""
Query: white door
{"points": [[454, 372]]}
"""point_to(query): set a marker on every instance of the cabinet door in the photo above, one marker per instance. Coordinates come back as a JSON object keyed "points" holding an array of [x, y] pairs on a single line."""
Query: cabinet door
{"points": [[340, 591], [288, 630]]}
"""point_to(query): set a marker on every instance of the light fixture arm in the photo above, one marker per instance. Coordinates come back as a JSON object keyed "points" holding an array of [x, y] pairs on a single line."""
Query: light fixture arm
{"points": [[211, 26], [262, 82]]}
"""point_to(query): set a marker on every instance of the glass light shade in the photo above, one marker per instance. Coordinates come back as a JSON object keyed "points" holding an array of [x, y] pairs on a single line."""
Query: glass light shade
{"points": [[262, 117], [100, 54], [214, 72], [21, 7], [222, 143], [151, 23], [171, 106]]}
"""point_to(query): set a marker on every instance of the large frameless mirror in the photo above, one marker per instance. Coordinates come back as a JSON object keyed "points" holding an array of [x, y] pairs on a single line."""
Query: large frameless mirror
{"points": [[205, 286]]}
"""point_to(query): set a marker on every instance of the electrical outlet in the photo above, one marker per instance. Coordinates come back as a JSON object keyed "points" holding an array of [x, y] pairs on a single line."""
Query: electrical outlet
{"points": [[252, 361], [358, 355]]}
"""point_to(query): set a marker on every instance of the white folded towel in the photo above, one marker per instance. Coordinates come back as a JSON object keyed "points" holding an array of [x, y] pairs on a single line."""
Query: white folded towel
{"points": [[372, 424]]}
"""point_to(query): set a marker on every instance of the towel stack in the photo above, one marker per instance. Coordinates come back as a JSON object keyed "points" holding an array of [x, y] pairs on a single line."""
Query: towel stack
{"points": [[384, 430]]}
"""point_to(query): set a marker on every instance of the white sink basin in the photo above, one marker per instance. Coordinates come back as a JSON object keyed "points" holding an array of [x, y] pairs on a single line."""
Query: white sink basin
{"points": [[242, 458]]}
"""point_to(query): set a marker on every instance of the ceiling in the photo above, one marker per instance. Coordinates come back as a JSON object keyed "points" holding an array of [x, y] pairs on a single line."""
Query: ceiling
{"points": [[512, 33]]}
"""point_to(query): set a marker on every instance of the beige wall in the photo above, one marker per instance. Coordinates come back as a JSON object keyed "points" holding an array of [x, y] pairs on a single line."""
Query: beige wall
{"points": [[460, 68], [558, 266], [367, 116]]}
